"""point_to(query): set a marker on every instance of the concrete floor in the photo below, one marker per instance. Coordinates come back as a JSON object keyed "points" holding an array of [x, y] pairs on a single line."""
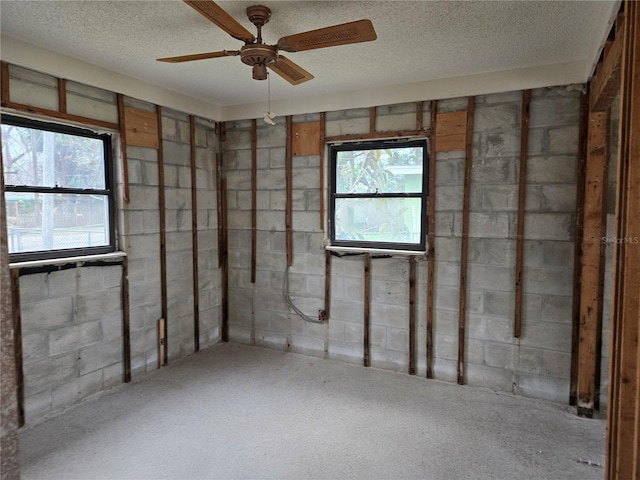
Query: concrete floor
{"points": [[234, 411]]}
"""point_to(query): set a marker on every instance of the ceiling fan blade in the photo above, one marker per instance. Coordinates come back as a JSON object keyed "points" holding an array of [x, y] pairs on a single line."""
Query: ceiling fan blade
{"points": [[352, 32], [221, 18], [290, 71], [199, 56]]}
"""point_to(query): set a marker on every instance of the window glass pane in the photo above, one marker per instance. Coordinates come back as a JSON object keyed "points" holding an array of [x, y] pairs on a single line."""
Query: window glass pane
{"points": [[50, 221], [389, 170], [395, 220], [49, 159]]}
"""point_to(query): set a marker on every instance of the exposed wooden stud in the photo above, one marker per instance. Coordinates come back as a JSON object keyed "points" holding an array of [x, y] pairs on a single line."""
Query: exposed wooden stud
{"points": [[163, 239], [126, 322], [194, 234], [366, 356], [623, 429], [289, 193], [431, 235], [4, 83], [17, 339], [224, 328], [419, 115], [605, 84], [321, 140], [592, 262], [350, 137], [577, 250], [124, 164], [59, 115], [522, 192], [162, 345], [372, 119], [462, 319], [218, 181], [327, 283], [412, 316], [62, 95], [254, 198]]}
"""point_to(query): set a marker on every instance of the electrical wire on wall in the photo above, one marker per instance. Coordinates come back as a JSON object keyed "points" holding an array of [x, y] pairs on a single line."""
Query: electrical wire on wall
{"points": [[299, 312]]}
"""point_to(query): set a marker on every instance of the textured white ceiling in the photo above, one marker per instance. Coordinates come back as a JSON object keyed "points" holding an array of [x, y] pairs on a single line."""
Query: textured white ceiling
{"points": [[418, 41]]}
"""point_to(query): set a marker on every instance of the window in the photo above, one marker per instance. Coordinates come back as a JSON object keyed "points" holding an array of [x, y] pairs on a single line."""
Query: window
{"points": [[58, 190], [378, 194]]}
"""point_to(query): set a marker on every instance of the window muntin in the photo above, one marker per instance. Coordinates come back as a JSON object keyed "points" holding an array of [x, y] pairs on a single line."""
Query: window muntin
{"points": [[58, 190], [378, 194]]}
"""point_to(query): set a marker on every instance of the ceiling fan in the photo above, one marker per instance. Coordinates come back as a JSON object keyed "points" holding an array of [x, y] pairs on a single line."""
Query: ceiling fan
{"points": [[259, 55]]}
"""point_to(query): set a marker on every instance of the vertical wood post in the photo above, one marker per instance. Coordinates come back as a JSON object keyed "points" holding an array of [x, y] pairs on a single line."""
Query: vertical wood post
{"points": [[62, 95], [289, 192], [577, 251], [163, 239], [323, 129], [254, 198], [366, 358], [327, 283], [522, 195], [372, 119], [431, 254], [412, 315], [224, 328], [623, 432], [592, 263], [17, 339], [462, 312], [126, 322], [194, 235], [4, 82], [124, 164]]}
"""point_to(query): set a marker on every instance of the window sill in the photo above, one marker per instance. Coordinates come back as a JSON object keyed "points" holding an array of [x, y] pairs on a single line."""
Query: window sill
{"points": [[377, 251], [79, 259]]}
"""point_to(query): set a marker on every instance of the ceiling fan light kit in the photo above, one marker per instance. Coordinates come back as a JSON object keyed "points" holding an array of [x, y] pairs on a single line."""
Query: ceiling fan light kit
{"points": [[259, 56]]}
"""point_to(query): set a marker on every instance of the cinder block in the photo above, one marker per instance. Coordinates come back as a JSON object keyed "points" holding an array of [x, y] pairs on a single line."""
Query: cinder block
{"points": [[488, 225], [488, 171], [36, 406], [563, 140], [35, 346], [94, 305], [50, 371], [498, 117], [552, 281], [494, 277], [66, 339], [347, 125], [489, 377], [551, 169], [389, 360], [398, 339], [548, 388], [346, 352], [99, 356], [557, 308], [307, 345], [550, 336], [46, 314], [33, 287]]}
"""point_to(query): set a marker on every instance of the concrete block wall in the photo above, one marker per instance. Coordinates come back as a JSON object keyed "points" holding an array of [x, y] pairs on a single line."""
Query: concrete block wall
{"points": [[72, 317], [535, 365], [71, 335]]}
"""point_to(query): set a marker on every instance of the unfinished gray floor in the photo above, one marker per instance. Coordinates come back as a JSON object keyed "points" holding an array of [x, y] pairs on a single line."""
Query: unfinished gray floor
{"points": [[242, 412]]}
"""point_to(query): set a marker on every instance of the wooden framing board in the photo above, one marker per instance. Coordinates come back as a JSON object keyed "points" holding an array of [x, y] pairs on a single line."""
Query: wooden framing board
{"points": [[321, 135], [462, 312], [220, 127], [17, 342], [372, 119], [419, 115], [4, 83], [451, 129], [224, 328], [62, 95], [623, 432], [522, 193], [194, 234], [577, 249], [431, 253], [162, 344], [366, 356], [124, 164], [592, 263], [605, 83], [327, 283], [305, 139], [126, 322], [352, 137], [289, 193], [254, 198], [163, 238], [143, 129], [412, 316]]}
